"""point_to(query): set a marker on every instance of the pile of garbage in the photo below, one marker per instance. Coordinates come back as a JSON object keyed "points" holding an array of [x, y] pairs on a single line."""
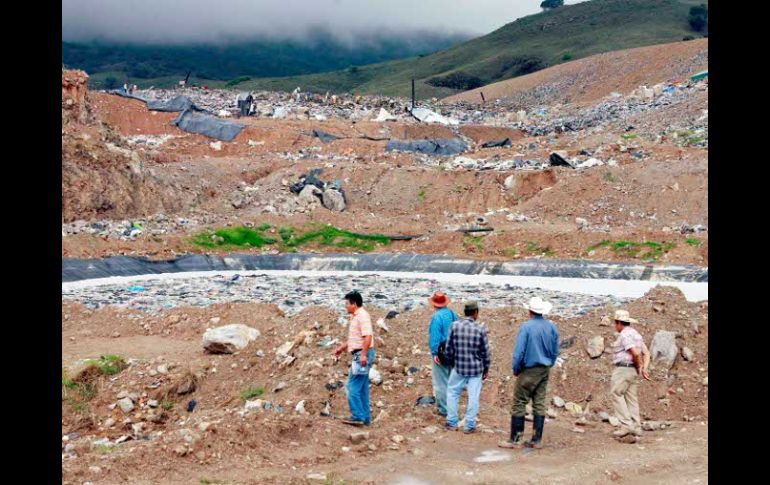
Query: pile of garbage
{"points": [[310, 189], [131, 229]]}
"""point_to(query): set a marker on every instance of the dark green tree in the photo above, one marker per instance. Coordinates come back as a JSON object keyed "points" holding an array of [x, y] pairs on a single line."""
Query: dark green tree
{"points": [[111, 82], [551, 4]]}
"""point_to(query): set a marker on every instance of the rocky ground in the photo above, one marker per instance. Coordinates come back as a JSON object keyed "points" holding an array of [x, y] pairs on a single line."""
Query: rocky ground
{"points": [[132, 425], [153, 406]]}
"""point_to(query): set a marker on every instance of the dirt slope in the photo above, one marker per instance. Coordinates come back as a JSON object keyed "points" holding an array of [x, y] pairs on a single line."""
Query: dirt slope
{"points": [[594, 77]]}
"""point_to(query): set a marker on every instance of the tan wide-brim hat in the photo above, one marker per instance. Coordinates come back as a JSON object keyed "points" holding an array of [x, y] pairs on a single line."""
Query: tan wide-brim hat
{"points": [[538, 305], [624, 316]]}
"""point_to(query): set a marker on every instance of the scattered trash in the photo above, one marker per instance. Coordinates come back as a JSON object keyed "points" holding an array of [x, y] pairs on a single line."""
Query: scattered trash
{"points": [[135, 288], [427, 116], [323, 136], [327, 410], [191, 405], [426, 401], [391, 314], [384, 115], [333, 387], [558, 160], [567, 343], [444, 147], [505, 142]]}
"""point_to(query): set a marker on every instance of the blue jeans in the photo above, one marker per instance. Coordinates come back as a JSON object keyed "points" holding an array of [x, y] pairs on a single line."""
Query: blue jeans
{"points": [[358, 391], [455, 387], [440, 375]]}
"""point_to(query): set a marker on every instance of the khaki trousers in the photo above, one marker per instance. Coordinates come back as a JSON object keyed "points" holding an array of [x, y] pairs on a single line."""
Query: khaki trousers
{"points": [[623, 387]]}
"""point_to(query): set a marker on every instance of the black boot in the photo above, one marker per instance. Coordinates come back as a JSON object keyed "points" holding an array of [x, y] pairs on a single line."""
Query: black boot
{"points": [[537, 435], [517, 432]]}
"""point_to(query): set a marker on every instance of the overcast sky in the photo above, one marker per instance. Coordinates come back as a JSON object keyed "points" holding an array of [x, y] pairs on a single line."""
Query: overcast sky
{"points": [[179, 21]]}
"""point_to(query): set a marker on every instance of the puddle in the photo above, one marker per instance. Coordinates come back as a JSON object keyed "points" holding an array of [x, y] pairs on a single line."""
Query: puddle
{"points": [[491, 456]]}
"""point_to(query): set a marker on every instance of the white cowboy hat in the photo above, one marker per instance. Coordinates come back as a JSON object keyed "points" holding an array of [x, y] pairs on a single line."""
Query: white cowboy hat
{"points": [[538, 305], [624, 316]]}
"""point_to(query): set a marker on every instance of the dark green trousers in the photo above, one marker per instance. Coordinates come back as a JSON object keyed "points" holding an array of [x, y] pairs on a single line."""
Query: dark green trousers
{"points": [[530, 384]]}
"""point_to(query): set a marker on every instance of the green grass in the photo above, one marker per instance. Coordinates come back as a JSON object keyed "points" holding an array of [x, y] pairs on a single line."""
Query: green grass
{"points": [[648, 250], [692, 241], [421, 195], [511, 252], [534, 248], [577, 31], [473, 242], [167, 404], [608, 177], [103, 449], [209, 481], [331, 236], [252, 392], [108, 365], [290, 238], [628, 136], [234, 236]]}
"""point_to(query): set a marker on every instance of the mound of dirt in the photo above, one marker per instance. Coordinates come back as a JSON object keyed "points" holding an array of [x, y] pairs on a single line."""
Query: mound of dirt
{"points": [[101, 175]]}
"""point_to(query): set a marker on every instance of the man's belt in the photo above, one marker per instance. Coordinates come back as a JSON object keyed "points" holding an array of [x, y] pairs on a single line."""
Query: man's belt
{"points": [[624, 365]]}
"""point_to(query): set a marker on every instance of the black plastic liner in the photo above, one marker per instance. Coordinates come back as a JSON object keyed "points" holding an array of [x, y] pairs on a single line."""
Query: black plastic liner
{"points": [[82, 269]]}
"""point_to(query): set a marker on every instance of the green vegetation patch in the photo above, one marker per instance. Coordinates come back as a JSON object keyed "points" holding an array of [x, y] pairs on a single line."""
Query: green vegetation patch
{"points": [[252, 392], [648, 250], [290, 239]]}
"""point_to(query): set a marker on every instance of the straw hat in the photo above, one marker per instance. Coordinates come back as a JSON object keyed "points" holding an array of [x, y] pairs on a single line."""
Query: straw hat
{"points": [[624, 316]]}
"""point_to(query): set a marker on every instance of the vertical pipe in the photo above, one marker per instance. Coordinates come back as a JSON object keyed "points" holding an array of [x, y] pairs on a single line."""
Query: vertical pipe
{"points": [[412, 93]]}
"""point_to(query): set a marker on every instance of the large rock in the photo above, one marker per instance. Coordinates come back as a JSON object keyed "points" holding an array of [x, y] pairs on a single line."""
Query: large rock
{"points": [[229, 338], [333, 200], [688, 354], [663, 349], [126, 405], [359, 437], [309, 195], [595, 346]]}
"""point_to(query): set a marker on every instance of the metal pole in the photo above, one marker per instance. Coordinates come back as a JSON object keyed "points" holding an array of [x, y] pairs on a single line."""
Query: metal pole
{"points": [[412, 93], [482, 97]]}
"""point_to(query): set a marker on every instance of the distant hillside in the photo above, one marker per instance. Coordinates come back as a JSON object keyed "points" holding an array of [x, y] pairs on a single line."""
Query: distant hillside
{"points": [[529, 44], [164, 65], [591, 78]]}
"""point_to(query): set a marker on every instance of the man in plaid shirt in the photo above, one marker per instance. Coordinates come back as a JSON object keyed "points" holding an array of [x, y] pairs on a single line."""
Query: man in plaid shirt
{"points": [[467, 349]]}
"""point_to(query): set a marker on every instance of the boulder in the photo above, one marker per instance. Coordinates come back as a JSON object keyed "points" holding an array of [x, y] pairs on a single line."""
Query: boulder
{"points": [[229, 338], [663, 349], [309, 195], [595, 346], [333, 200]]}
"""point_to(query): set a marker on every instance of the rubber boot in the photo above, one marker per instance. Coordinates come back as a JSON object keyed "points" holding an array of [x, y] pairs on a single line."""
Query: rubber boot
{"points": [[537, 434], [517, 432]]}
